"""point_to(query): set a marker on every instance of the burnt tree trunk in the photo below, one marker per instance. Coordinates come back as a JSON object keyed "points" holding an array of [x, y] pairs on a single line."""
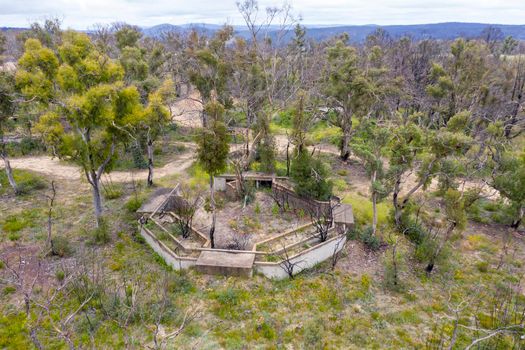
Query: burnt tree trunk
{"points": [[150, 160], [212, 205]]}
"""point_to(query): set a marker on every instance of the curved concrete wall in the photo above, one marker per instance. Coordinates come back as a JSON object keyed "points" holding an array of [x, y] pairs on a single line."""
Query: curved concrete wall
{"points": [[304, 260], [167, 254]]}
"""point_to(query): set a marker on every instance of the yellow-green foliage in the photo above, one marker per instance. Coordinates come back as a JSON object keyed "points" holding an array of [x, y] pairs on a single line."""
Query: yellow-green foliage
{"points": [[340, 185], [362, 208], [198, 176], [277, 129], [327, 134], [13, 332], [480, 242], [26, 181]]}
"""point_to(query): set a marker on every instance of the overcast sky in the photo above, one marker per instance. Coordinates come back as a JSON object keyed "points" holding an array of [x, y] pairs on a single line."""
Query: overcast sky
{"points": [[82, 14]]}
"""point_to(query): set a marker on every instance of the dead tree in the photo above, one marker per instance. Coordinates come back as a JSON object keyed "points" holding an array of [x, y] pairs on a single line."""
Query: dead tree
{"points": [[322, 219], [160, 340], [184, 207], [51, 201], [240, 241], [338, 251], [286, 262]]}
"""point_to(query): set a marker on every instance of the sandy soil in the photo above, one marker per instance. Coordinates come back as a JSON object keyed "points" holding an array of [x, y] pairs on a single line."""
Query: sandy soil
{"points": [[231, 221], [187, 111], [52, 166]]}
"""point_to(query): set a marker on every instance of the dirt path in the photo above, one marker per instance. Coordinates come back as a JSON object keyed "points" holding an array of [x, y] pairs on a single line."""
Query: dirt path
{"points": [[52, 166]]}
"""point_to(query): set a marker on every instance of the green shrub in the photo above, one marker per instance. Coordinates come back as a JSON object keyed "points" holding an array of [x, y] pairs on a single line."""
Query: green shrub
{"points": [[257, 209], [60, 246], [26, 146], [229, 302], [138, 158], [313, 334], [13, 224], [9, 290], [198, 176], [112, 191], [317, 187], [160, 260], [365, 235], [275, 210], [13, 332], [60, 275], [482, 266], [26, 181], [133, 204], [370, 240], [283, 118], [101, 234], [322, 133], [266, 330], [412, 229]]}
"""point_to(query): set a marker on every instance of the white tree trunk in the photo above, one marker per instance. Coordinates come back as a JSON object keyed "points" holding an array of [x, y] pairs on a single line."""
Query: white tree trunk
{"points": [[9, 173], [97, 199]]}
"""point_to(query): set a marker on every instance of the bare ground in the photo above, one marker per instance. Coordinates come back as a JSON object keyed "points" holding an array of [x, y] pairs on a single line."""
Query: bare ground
{"points": [[52, 166], [234, 221]]}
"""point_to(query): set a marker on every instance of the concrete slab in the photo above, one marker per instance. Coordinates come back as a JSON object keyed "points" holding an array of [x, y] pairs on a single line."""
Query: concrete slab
{"points": [[154, 200], [226, 264]]}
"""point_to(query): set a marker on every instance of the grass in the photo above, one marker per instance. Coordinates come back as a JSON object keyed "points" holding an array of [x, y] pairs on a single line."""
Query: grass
{"points": [[346, 308], [362, 208], [198, 177], [323, 133], [26, 181], [14, 225]]}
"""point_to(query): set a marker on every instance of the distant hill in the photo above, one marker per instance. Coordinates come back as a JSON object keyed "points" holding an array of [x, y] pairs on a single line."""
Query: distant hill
{"points": [[359, 32]]}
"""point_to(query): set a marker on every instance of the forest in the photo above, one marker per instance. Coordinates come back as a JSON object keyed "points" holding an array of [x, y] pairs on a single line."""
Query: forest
{"points": [[424, 138]]}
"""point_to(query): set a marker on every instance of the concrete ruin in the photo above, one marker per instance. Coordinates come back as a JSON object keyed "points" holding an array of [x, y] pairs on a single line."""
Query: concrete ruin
{"points": [[270, 257]]}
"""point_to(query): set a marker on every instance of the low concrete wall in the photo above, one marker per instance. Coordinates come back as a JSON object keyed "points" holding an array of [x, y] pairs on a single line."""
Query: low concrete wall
{"points": [[219, 183], [304, 260], [166, 253]]}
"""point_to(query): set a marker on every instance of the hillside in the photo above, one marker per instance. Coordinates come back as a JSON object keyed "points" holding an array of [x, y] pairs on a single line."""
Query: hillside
{"points": [[358, 33]]}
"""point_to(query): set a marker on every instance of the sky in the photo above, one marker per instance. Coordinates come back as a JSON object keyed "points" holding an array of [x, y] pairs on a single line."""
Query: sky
{"points": [[83, 14]]}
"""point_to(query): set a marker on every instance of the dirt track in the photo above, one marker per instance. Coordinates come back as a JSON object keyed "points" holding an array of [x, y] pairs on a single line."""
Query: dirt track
{"points": [[52, 166]]}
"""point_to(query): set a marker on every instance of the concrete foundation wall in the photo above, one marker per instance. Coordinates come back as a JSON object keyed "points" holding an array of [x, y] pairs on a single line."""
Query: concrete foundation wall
{"points": [[169, 256], [304, 260], [219, 184]]}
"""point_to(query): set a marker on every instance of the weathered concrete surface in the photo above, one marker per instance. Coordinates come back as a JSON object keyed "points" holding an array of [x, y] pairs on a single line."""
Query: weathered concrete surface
{"points": [[175, 261], [304, 260], [226, 264], [154, 200]]}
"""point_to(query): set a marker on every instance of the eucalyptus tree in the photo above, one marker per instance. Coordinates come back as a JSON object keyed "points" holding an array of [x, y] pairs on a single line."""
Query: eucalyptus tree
{"points": [[84, 103], [48, 32], [269, 30], [425, 151], [7, 111], [347, 90], [456, 218], [509, 179], [209, 68], [212, 151], [248, 86], [460, 82], [369, 145], [154, 119]]}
